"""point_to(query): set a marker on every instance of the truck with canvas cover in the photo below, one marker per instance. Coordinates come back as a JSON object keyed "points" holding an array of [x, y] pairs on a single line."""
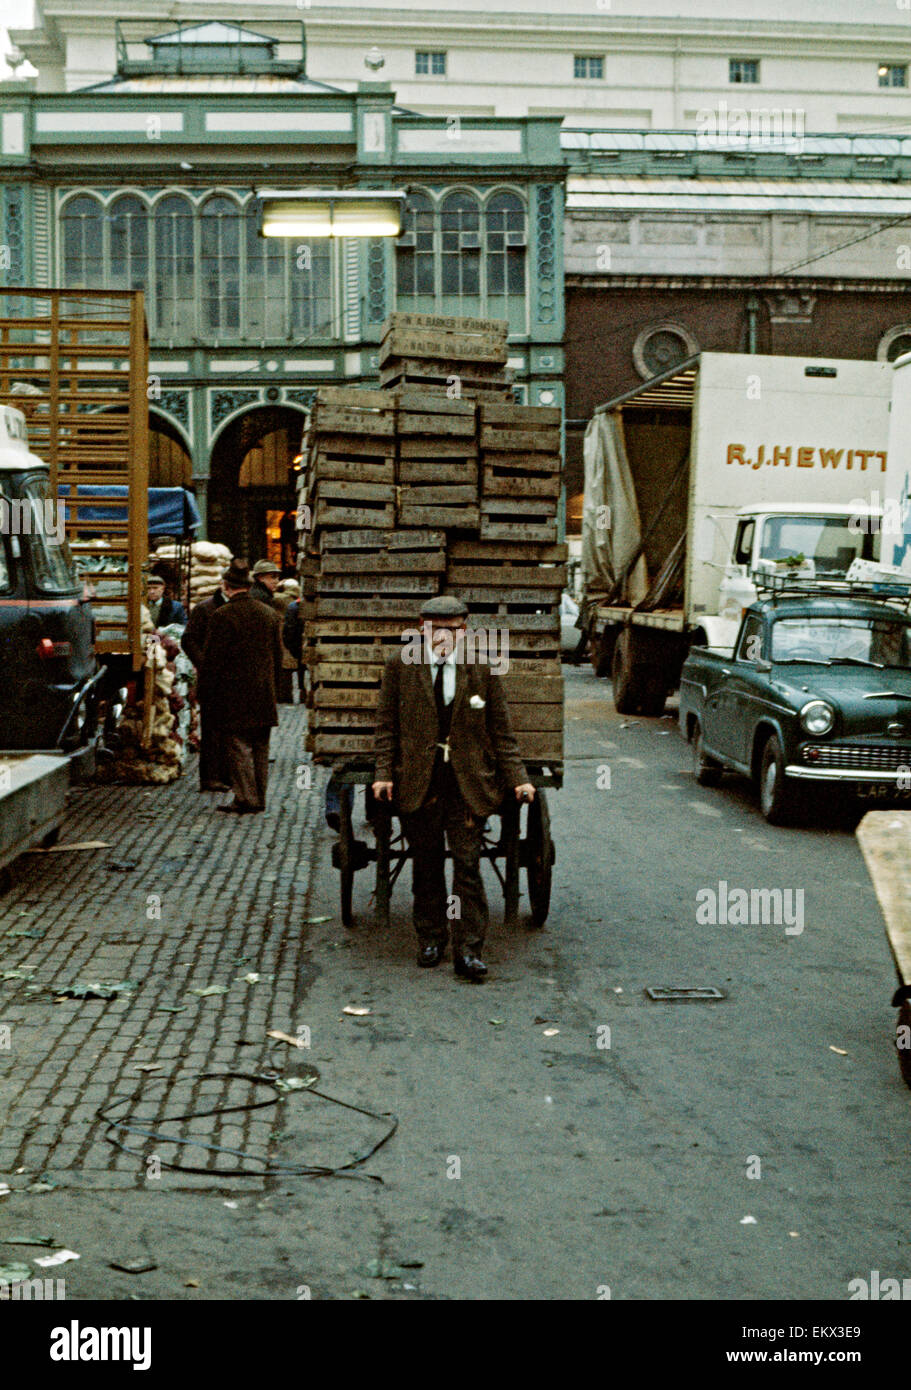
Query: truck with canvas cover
{"points": [[730, 464]]}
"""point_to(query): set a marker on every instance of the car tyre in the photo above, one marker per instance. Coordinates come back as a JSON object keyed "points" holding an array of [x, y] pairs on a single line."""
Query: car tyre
{"points": [[706, 770], [776, 799], [904, 1055]]}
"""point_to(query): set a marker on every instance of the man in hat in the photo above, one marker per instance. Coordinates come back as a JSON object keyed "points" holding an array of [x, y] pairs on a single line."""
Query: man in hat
{"points": [[238, 681], [163, 610], [445, 749], [266, 575], [213, 766]]}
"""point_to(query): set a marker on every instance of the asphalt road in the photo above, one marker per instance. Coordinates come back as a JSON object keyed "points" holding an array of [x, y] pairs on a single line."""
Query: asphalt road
{"points": [[532, 1163]]}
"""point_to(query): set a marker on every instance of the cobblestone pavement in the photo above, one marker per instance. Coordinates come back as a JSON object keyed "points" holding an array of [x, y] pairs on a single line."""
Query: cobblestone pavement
{"points": [[209, 899]]}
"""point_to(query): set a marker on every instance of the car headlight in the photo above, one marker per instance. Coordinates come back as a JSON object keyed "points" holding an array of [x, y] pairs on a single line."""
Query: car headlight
{"points": [[817, 717]]}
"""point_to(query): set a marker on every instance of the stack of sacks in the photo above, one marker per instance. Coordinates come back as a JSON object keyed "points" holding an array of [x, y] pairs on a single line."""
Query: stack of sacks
{"points": [[208, 561]]}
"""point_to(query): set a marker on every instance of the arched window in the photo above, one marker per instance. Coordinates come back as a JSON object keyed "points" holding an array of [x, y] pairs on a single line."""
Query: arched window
{"points": [[129, 244], [219, 266], [266, 289], [415, 272], [460, 247], [174, 280], [505, 219], [83, 243]]}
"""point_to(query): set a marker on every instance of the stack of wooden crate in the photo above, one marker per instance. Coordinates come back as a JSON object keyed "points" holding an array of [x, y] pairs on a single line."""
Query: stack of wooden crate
{"points": [[437, 461], [367, 587], [512, 591], [446, 355], [520, 458], [411, 492]]}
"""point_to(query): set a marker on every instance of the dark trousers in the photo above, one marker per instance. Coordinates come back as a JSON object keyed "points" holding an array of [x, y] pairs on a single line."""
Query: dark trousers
{"points": [[248, 760], [213, 762], [444, 813]]}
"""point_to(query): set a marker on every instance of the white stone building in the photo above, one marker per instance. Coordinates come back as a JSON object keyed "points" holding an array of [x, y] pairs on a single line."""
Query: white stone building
{"points": [[845, 65]]}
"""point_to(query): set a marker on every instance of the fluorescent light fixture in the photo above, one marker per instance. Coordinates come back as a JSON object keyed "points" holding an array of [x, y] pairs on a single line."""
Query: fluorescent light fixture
{"points": [[355, 213]]}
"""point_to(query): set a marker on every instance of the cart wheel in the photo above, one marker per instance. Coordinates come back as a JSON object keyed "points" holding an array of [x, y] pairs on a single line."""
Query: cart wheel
{"points": [[382, 829], [346, 854], [509, 821], [539, 859]]}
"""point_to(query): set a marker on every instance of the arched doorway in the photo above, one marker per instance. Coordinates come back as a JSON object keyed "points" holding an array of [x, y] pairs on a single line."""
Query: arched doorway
{"points": [[252, 498], [170, 464]]}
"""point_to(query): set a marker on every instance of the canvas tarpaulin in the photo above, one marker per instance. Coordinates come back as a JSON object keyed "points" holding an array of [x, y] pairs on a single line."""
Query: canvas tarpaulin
{"points": [[611, 528], [172, 510]]}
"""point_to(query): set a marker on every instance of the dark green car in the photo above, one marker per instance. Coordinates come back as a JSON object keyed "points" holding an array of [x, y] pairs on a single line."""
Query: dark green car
{"points": [[817, 690]]}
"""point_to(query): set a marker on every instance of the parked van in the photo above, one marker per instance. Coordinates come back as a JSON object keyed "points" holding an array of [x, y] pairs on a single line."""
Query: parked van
{"points": [[49, 675]]}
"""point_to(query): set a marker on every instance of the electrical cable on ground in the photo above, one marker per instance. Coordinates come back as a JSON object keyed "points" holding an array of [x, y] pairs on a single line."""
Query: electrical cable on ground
{"points": [[268, 1168]]}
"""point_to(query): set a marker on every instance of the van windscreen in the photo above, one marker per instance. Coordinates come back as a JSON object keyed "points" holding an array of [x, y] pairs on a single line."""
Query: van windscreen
{"points": [[49, 554]]}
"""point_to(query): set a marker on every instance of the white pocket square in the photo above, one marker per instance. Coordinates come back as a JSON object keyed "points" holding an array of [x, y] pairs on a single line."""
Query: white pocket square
{"points": [[476, 702]]}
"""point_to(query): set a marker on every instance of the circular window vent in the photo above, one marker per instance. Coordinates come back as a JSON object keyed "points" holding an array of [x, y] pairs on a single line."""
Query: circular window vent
{"points": [[894, 343], [662, 347]]}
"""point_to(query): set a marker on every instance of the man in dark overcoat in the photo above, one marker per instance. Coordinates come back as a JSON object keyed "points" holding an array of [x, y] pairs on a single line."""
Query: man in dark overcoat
{"points": [[238, 681], [213, 765], [445, 749]]}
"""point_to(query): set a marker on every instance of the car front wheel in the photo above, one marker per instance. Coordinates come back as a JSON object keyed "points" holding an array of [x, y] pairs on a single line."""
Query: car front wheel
{"points": [[775, 797]]}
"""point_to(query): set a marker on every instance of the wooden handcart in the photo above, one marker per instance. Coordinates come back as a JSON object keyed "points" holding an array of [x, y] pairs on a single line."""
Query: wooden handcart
{"points": [[524, 842]]}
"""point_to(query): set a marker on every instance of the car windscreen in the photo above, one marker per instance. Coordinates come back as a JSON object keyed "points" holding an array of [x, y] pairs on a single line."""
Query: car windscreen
{"points": [[848, 641], [826, 540], [49, 555]]}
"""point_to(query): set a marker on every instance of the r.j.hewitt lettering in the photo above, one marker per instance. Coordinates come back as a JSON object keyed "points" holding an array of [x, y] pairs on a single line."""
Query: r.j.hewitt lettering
{"points": [[787, 456]]}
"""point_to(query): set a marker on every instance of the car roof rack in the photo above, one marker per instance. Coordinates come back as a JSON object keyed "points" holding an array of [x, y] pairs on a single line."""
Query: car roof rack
{"points": [[784, 586]]}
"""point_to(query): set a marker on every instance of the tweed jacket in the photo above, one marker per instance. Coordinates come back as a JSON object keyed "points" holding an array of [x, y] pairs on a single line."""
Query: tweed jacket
{"points": [[483, 750]]}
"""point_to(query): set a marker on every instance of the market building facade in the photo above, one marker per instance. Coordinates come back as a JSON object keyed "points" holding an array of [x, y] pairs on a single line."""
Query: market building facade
{"points": [[151, 180]]}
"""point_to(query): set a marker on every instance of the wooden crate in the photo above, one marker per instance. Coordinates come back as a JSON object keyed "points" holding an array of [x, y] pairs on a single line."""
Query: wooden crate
{"points": [[445, 323], [499, 482], [347, 503], [444, 339], [367, 540], [403, 582], [497, 387], [541, 748], [349, 410], [514, 519], [454, 506]]}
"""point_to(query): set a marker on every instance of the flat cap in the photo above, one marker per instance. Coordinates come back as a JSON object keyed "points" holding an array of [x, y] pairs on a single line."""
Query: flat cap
{"points": [[444, 606], [266, 567]]}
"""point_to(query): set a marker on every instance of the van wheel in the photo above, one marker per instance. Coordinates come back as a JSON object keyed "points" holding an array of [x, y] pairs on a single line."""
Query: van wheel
{"points": [[623, 676], [775, 798], [599, 653], [637, 688], [706, 770]]}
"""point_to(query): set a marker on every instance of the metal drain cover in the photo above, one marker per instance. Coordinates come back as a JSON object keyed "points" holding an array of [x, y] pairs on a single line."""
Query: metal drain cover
{"points": [[689, 994]]}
